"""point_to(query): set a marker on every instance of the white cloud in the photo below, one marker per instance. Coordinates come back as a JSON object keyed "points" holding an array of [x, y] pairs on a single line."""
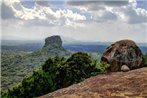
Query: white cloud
{"points": [[126, 10], [91, 31], [42, 12], [89, 21], [103, 16], [11, 2], [131, 14]]}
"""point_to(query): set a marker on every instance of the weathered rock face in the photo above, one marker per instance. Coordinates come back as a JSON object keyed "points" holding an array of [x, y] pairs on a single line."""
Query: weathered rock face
{"points": [[123, 52], [131, 84], [53, 40]]}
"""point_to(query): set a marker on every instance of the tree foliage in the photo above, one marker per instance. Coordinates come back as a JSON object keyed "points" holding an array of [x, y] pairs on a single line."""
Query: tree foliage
{"points": [[55, 73], [145, 60]]}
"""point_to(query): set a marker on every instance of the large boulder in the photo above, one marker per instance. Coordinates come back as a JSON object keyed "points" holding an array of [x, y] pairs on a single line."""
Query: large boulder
{"points": [[123, 52], [53, 40]]}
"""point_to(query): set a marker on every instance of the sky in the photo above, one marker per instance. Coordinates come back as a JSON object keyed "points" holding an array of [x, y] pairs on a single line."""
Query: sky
{"points": [[83, 20]]}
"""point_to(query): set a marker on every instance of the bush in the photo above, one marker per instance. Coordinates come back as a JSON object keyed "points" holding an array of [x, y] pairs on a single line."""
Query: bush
{"points": [[79, 67], [35, 84], [144, 60], [103, 67], [56, 73]]}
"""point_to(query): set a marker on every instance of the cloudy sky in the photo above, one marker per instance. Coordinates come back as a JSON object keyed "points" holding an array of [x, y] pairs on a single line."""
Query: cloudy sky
{"points": [[84, 20]]}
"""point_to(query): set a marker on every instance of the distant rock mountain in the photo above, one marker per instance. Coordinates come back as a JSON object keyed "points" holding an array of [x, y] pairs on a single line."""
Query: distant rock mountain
{"points": [[53, 40], [52, 47], [29, 61], [130, 84]]}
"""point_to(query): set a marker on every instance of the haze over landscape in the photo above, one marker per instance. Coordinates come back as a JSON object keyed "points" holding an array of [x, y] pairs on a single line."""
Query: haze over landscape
{"points": [[84, 20]]}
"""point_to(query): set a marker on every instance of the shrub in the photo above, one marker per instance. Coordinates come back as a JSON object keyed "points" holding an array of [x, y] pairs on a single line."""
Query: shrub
{"points": [[144, 62], [56, 73], [103, 67], [79, 67], [35, 84]]}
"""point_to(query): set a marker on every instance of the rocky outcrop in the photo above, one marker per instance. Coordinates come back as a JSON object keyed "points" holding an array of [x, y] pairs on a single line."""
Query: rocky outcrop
{"points": [[123, 52], [53, 47], [53, 40], [131, 84]]}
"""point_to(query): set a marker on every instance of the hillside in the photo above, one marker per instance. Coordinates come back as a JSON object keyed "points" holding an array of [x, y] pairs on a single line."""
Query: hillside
{"points": [[16, 64], [130, 84]]}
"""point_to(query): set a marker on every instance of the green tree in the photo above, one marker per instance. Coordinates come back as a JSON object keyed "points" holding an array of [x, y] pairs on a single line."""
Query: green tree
{"points": [[33, 85], [79, 67], [144, 62], [49, 63], [37, 84], [56, 73]]}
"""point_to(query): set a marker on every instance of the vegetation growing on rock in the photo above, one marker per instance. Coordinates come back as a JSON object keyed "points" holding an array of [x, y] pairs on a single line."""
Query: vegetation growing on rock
{"points": [[144, 63]]}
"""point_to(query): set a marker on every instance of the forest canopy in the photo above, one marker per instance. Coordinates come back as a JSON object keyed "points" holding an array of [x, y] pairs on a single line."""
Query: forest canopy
{"points": [[57, 72]]}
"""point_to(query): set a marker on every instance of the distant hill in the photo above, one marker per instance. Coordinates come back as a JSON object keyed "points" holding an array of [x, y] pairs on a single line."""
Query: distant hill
{"points": [[94, 48], [69, 44], [16, 64]]}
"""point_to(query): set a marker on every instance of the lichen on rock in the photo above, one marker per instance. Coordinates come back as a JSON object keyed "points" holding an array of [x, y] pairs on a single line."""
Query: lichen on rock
{"points": [[123, 52]]}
